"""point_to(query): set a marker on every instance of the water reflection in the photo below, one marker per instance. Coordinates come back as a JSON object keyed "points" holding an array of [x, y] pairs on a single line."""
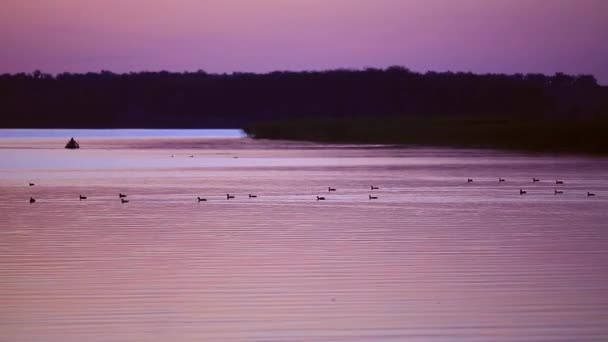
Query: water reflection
{"points": [[434, 258]]}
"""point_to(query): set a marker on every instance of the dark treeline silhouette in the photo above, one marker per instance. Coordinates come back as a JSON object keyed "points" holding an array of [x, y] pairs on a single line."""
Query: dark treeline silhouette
{"points": [[587, 135], [202, 100]]}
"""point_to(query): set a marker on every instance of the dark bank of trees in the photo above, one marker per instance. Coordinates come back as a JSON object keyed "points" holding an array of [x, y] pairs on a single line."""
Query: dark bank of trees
{"points": [[202, 100], [562, 134]]}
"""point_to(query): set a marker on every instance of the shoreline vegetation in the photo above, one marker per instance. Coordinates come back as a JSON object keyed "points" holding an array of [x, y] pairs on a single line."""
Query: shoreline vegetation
{"points": [[393, 105], [586, 136]]}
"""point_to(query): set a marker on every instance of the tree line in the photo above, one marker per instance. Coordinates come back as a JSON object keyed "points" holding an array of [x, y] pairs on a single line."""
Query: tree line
{"points": [[204, 100]]}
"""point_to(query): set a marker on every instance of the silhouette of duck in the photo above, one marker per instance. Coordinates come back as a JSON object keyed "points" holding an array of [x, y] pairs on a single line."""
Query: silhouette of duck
{"points": [[228, 196], [559, 182], [469, 180], [32, 200], [374, 188], [589, 194], [83, 197], [534, 180], [330, 189], [252, 196], [373, 197], [201, 199], [500, 180], [122, 200], [522, 192], [557, 192], [121, 195], [32, 184], [320, 198]]}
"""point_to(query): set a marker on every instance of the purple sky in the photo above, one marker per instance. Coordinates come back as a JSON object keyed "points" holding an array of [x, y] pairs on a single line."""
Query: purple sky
{"points": [[262, 35]]}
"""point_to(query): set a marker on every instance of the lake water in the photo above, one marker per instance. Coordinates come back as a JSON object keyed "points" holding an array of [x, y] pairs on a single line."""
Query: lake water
{"points": [[434, 258]]}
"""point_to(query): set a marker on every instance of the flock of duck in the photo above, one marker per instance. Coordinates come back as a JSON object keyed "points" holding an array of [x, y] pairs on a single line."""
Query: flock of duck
{"points": [[123, 197], [536, 180]]}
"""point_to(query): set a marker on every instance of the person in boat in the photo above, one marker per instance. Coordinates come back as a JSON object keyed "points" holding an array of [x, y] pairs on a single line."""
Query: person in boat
{"points": [[72, 144]]}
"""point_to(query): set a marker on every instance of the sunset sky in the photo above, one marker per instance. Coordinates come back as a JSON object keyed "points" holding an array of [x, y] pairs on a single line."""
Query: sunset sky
{"points": [[262, 35]]}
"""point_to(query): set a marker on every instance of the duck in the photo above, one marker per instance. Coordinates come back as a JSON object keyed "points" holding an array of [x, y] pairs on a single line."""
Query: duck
{"points": [[373, 197], [500, 180], [32, 200], [31, 184], [330, 189], [522, 192], [201, 199], [252, 196], [559, 182], [374, 188], [320, 198], [469, 180], [83, 197], [121, 195], [534, 180], [589, 194], [558, 192], [122, 200], [228, 196]]}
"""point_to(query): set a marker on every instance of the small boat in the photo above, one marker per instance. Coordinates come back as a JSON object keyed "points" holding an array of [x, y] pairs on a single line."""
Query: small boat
{"points": [[72, 144]]}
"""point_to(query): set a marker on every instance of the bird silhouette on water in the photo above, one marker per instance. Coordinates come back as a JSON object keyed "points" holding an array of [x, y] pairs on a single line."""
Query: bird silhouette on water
{"points": [[121, 195], [320, 198], [522, 192], [373, 197], [500, 180], [229, 196], [31, 184], [374, 188], [589, 194], [32, 200], [82, 197], [330, 189], [469, 180], [122, 200], [557, 192], [199, 199], [559, 182], [252, 196]]}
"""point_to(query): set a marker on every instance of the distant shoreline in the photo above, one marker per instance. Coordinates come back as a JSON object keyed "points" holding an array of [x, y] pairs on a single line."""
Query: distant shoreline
{"points": [[580, 136], [201, 100]]}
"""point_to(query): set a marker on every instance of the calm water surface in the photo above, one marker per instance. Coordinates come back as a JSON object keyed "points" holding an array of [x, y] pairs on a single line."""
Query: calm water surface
{"points": [[434, 258]]}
